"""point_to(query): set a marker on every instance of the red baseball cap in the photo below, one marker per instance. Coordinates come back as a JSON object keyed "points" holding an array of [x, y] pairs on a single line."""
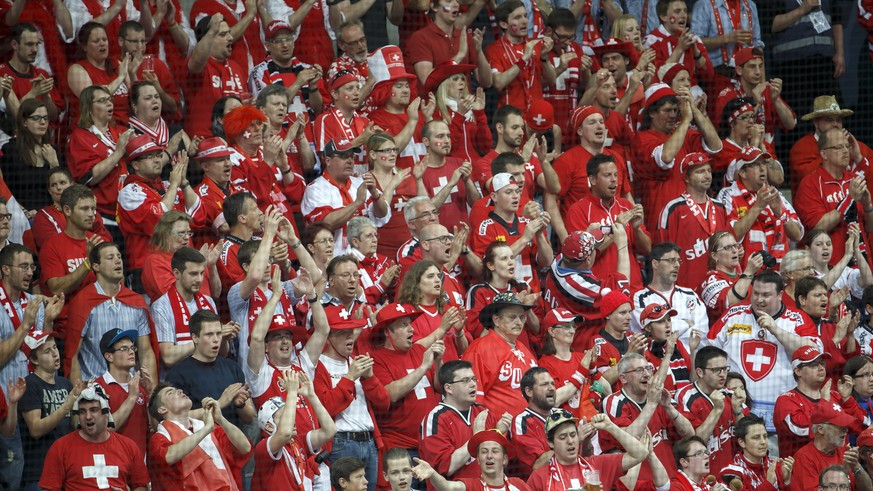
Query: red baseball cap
{"points": [[693, 159], [560, 316], [35, 339], [655, 312], [744, 55], [865, 438], [212, 148], [540, 115], [831, 413], [807, 354], [277, 26]]}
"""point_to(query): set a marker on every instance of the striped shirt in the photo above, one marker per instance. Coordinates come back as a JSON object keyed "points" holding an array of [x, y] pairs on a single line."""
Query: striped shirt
{"points": [[17, 364]]}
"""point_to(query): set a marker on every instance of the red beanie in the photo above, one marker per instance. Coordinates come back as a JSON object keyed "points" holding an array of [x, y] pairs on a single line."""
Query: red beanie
{"points": [[237, 120], [611, 301], [580, 114]]}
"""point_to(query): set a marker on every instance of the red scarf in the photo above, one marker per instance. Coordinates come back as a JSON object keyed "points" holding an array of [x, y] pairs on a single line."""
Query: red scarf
{"points": [[10, 309], [705, 214], [181, 316], [256, 304], [343, 188], [198, 468], [590, 35]]}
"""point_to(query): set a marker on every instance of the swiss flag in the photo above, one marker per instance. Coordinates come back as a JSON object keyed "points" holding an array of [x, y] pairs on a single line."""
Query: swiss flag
{"points": [[758, 358]]}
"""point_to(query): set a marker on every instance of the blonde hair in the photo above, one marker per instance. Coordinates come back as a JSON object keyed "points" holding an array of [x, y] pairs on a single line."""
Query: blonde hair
{"points": [[86, 100], [442, 94], [161, 237]]}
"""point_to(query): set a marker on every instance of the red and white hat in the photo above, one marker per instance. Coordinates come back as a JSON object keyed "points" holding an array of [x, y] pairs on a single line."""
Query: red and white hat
{"points": [[392, 312], [560, 315], [579, 245], [656, 92], [581, 113], [745, 55], [339, 318], [747, 156], [807, 354], [540, 115], [141, 145], [668, 72], [614, 45], [501, 180], [655, 312], [693, 159], [831, 413], [34, 340], [212, 148], [386, 64], [275, 27], [341, 78]]}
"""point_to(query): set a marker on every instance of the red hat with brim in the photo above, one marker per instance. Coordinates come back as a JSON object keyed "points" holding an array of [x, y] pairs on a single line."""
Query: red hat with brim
{"points": [[744, 55], [488, 436], [35, 339], [392, 312], [865, 439], [831, 413], [444, 71], [560, 315], [142, 145], [614, 45], [277, 26], [212, 148], [693, 159], [340, 319]]}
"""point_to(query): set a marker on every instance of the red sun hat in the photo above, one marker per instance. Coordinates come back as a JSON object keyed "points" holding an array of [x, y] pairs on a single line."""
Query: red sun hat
{"points": [[614, 45], [340, 319], [141, 145], [443, 72], [393, 312]]}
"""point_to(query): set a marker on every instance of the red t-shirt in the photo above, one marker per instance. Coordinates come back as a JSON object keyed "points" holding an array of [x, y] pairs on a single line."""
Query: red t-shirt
{"points": [[249, 49], [696, 406], [100, 76], [50, 222], [558, 477], [444, 430], [572, 172], [427, 323], [433, 45], [157, 275], [563, 95], [22, 83], [71, 456], [84, 151], [137, 425], [494, 228], [313, 44], [808, 464], [454, 211], [283, 471], [216, 80], [527, 84]]}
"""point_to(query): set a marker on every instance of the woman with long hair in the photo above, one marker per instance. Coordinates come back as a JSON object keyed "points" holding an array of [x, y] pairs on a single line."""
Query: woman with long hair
{"points": [[627, 28], [498, 274], [146, 118], [739, 129], [737, 385], [463, 111], [96, 68], [95, 152], [422, 288], [724, 285], [50, 220], [856, 277], [860, 370], [172, 233], [221, 107], [28, 158], [397, 187]]}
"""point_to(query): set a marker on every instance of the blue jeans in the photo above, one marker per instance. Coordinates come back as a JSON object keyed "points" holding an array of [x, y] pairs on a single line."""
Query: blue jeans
{"points": [[11, 461], [365, 451]]}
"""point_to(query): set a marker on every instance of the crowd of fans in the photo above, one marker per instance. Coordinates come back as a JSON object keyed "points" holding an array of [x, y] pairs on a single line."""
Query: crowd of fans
{"points": [[539, 245]]}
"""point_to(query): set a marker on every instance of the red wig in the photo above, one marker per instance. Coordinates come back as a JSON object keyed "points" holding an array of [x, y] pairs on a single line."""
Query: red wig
{"points": [[239, 119]]}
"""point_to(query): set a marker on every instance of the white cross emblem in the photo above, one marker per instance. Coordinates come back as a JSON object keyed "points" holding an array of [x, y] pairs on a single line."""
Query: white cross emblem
{"points": [[395, 57], [529, 166], [100, 471], [423, 383], [400, 308], [399, 205], [539, 119], [758, 359], [255, 314], [444, 181], [280, 319], [344, 314], [837, 408]]}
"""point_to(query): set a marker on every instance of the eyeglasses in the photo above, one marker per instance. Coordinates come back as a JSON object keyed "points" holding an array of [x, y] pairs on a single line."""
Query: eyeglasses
{"points": [[864, 375], [328, 240], [641, 370], [38, 119], [356, 42], [732, 247], [187, 234], [5, 216], [428, 214], [844, 147], [702, 453], [286, 40], [718, 370], [558, 37], [837, 487], [348, 276], [25, 267], [387, 150], [103, 100], [465, 380], [126, 349], [672, 260], [135, 41], [445, 239], [558, 414]]}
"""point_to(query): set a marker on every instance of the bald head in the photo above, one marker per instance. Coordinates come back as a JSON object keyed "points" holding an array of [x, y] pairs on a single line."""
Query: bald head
{"points": [[436, 243]]}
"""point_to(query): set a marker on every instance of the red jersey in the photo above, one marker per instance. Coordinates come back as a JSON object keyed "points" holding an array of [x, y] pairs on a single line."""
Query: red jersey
{"points": [[689, 225], [22, 83], [137, 425], [395, 233], [494, 228], [332, 125], [265, 182], [482, 176], [499, 367], [76, 464], [679, 375], [470, 133], [60, 257], [567, 372], [454, 211], [607, 350], [432, 44], [527, 84], [250, 46], [623, 410], [86, 149], [393, 124], [529, 439], [572, 172], [104, 76], [753, 476], [696, 406], [564, 95], [228, 266], [50, 222], [804, 159], [665, 182], [819, 193], [313, 44], [664, 42], [792, 417], [713, 292], [590, 210], [428, 323], [216, 80], [288, 469], [444, 430], [401, 425], [212, 198], [554, 476], [162, 45], [809, 462]]}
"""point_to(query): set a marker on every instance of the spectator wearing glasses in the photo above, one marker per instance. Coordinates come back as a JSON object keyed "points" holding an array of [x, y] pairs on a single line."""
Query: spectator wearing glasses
{"points": [[692, 460], [710, 409], [150, 68], [834, 478], [830, 426], [28, 79], [28, 158], [723, 287], [572, 68], [398, 188], [758, 336], [447, 429], [128, 393], [420, 214], [836, 194], [644, 404], [760, 216], [441, 247], [317, 238], [378, 275], [794, 409], [171, 233]]}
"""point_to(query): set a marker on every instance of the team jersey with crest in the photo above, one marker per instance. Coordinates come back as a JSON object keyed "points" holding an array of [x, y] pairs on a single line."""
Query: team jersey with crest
{"points": [[696, 406], [499, 367], [495, 229], [444, 430], [792, 417], [689, 225], [691, 313]]}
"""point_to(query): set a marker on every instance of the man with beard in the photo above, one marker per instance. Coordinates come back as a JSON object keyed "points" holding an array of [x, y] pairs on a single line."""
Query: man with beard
{"points": [[569, 468], [761, 218], [836, 194], [751, 465], [215, 188], [172, 311], [527, 238], [602, 207], [509, 127], [572, 170], [757, 337], [528, 427], [491, 450], [712, 411], [28, 80], [676, 225], [643, 403], [443, 174], [201, 454], [793, 412], [94, 457], [128, 394], [338, 195], [210, 61], [665, 138]]}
